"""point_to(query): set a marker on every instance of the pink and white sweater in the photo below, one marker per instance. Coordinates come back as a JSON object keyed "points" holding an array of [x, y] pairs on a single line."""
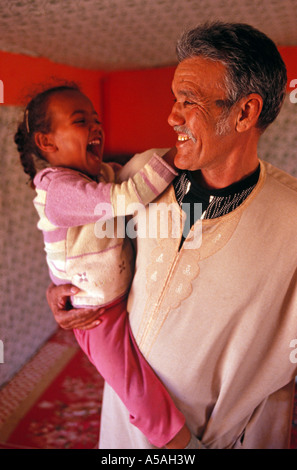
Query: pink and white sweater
{"points": [[83, 226]]}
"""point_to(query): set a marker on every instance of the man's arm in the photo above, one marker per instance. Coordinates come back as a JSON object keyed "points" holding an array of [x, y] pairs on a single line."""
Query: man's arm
{"points": [[58, 298]]}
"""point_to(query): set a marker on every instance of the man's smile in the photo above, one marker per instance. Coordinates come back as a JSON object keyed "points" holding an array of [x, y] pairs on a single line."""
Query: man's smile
{"points": [[184, 134]]}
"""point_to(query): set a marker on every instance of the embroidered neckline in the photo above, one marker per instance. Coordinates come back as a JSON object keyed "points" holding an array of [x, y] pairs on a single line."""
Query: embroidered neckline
{"points": [[217, 202]]}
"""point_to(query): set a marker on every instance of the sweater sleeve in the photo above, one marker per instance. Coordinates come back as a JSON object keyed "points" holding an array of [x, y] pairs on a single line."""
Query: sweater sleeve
{"points": [[72, 199], [143, 187]]}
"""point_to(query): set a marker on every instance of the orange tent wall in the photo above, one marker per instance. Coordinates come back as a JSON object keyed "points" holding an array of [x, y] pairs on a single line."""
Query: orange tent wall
{"points": [[22, 75], [137, 104], [289, 55], [134, 105]]}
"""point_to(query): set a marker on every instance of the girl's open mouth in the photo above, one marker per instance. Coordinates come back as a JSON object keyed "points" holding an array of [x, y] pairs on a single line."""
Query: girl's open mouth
{"points": [[94, 148]]}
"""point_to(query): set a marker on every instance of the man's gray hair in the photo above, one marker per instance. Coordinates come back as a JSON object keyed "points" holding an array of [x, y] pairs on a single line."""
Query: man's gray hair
{"points": [[253, 63]]}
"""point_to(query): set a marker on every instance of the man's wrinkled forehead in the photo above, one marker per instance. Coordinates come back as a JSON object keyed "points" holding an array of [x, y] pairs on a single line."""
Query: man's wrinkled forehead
{"points": [[198, 76]]}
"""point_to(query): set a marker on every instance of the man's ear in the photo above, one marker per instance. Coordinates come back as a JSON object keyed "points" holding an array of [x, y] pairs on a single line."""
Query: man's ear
{"points": [[45, 142], [250, 108]]}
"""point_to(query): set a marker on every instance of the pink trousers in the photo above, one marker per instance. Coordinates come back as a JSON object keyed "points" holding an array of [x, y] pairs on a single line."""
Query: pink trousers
{"points": [[113, 350]]}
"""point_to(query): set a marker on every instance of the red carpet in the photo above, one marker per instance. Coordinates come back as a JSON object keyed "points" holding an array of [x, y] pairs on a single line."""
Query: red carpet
{"points": [[54, 402], [62, 409]]}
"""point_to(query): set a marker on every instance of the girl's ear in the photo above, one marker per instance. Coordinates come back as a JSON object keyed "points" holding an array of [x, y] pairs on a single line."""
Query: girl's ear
{"points": [[45, 142]]}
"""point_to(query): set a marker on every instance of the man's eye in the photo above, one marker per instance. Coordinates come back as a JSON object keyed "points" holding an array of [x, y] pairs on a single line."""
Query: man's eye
{"points": [[188, 103], [80, 121]]}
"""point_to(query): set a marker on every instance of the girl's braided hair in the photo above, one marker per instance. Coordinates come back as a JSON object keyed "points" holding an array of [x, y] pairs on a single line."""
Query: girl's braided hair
{"points": [[36, 119]]}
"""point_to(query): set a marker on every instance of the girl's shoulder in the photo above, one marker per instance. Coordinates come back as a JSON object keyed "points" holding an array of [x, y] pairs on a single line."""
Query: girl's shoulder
{"points": [[44, 177]]}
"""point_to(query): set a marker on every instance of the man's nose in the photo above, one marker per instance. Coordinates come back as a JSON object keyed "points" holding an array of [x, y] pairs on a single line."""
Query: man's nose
{"points": [[176, 117]]}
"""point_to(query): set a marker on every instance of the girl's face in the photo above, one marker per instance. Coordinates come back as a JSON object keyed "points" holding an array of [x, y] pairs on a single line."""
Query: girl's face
{"points": [[76, 139]]}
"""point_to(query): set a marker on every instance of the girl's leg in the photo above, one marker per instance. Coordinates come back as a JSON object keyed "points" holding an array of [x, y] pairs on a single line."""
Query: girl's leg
{"points": [[113, 350]]}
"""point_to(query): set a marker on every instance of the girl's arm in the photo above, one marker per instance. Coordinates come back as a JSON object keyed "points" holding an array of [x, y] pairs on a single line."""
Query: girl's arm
{"points": [[138, 161], [69, 198]]}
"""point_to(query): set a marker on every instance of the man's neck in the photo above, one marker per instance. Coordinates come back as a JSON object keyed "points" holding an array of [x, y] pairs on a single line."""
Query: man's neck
{"points": [[234, 164], [221, 179]]}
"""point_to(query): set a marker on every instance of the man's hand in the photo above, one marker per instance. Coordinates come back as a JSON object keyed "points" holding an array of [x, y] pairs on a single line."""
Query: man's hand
{"points": [[58, 298]]}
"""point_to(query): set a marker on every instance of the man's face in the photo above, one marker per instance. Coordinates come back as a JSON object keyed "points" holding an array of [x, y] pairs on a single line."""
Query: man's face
{"points": [[199, 91]]}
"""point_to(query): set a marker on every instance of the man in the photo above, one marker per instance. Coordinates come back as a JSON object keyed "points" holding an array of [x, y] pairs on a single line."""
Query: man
{"points": [[215, 320]]}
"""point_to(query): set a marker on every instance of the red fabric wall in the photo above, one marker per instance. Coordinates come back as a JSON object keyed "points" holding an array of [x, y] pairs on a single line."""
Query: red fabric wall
{"points": [[134, 105], [137, 103], [21, 75]]}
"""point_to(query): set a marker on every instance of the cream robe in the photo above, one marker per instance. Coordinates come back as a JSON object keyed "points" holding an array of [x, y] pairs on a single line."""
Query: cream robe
{"points": [[216, 322]]}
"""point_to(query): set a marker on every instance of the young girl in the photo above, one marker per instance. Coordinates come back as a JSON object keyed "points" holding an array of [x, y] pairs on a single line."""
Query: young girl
{"points": [[61, 128]]}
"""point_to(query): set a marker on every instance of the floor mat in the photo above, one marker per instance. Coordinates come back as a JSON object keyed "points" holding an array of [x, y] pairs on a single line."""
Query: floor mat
{"points": [[54, 402]]}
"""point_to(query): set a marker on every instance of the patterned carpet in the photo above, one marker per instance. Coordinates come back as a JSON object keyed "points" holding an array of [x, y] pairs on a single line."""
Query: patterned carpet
{"points": [[54, 402]]}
